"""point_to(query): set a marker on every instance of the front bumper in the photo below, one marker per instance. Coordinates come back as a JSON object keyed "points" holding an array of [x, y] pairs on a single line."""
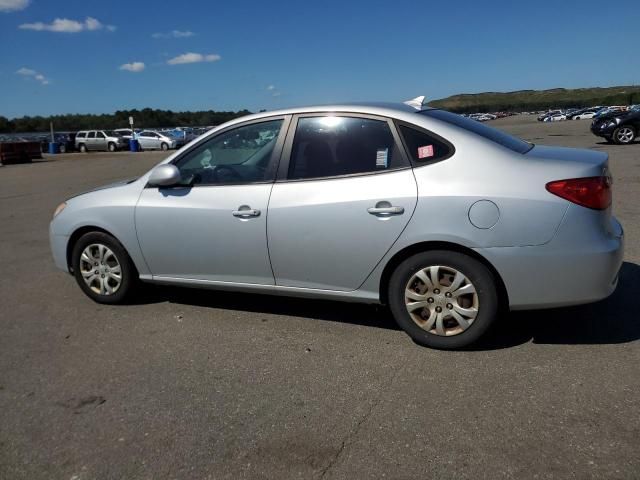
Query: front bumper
{"points": [[566, 271], [58, 245], [604, 129]]}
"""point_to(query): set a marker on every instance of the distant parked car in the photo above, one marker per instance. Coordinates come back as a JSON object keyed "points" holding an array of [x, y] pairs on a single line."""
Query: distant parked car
{"points": [[619, 127], [125, 132], [556, 117], [65, 141], [543, 115], [153, 140], [105, 140]]}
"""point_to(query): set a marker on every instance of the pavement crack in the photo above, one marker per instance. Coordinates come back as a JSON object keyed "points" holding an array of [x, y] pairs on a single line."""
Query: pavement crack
{"points": [[354, 432]]}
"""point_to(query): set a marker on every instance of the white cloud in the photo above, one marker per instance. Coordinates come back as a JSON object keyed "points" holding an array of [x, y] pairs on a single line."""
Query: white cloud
{"points": [[276, 94], [65, 25], [30, 73], [132, 67], [174, 34], [13, 5], [271, 87], [191, 57], [26, 72]]}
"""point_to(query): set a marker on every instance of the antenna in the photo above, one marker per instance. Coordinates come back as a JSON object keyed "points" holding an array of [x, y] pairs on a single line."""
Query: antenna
{"points": [[416, 103]]}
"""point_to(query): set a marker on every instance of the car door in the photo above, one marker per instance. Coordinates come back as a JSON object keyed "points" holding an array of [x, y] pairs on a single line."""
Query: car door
{"points": [[100, 141], [344, 194], [214, 227], [91, 140], [145, 140]]}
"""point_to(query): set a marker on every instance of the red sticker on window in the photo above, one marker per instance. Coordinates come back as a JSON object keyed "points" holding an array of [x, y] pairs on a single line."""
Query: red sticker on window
{"points": [[425, 152]]}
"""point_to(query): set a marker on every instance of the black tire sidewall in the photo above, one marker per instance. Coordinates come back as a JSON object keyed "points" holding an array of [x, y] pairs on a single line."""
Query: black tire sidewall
{"points": [[129, 273], [474, 270]]}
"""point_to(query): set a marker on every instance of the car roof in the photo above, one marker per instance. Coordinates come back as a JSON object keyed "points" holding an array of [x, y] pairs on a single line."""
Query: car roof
{"points": [[385, 109]]}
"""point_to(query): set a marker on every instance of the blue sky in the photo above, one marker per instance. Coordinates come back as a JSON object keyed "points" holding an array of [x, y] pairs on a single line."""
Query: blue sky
{"points": [[231, 55]]}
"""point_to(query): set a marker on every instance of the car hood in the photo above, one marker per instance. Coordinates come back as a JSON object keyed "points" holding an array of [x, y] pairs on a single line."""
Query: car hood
{"points": [[119, 183]]}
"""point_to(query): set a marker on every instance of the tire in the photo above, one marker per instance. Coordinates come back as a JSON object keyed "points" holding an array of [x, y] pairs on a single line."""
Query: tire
{"points": [[63, 148], [90, 245], [624, 135], [111, 147], [478, 309], [83, 148], [164, 146]]}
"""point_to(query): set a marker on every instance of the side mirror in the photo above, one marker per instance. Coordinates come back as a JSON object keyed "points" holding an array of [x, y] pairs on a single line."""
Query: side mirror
{"points": [[165, 175]]}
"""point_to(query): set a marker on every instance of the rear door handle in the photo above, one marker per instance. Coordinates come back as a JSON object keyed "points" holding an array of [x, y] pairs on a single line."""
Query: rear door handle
{"points": [[386, 210], [245, 212]]}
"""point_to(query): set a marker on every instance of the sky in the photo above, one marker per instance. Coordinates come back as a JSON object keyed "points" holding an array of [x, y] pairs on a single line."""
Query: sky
{"points": [[87, 56]]}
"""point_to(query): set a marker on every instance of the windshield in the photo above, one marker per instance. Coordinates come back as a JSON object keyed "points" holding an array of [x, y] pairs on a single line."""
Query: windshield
{"points": [[513, 143]]}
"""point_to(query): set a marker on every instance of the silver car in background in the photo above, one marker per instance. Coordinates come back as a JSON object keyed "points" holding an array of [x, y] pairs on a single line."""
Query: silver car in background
{"points": [[100, 140], [154, 140], [445, 220]]}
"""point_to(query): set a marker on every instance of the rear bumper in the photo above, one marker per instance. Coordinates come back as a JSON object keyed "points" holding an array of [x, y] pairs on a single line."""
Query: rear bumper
{"points": [[561, 272]]}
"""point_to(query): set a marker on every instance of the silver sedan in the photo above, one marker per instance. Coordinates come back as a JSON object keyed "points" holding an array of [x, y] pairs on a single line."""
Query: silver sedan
{"points": [[445, 220]]}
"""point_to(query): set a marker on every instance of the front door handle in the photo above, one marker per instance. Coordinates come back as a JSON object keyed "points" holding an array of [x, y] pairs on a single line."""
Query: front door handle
{"points": [[390, 210], [245, 211]]}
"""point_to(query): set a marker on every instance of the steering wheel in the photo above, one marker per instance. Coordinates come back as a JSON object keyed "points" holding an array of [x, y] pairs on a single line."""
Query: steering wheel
{"points": [[225, 174]]}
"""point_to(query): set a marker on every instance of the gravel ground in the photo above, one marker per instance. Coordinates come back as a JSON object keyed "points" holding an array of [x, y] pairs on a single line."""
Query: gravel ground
{"points": [[203, 384]]}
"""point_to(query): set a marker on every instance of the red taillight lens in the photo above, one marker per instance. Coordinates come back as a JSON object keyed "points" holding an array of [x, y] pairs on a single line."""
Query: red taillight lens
{"points": [[590, 192]]}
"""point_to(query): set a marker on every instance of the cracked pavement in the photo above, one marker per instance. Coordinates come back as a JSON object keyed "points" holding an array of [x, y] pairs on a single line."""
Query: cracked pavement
{"points": [[204, 384]]}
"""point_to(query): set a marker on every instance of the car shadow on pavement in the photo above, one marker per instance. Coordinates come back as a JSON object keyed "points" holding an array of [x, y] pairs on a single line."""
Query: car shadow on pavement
{"points": [[610, 321], [376, 316]]}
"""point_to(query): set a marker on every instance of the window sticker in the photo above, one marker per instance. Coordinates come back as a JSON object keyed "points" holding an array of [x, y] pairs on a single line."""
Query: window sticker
{"points": [[425, 151], [382, 158]]}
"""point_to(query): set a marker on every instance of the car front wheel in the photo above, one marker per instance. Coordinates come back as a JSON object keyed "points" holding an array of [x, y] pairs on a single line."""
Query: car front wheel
{"points": [[112, 147], [443, 299], [102, 268], [624, 135], [164, 146]]}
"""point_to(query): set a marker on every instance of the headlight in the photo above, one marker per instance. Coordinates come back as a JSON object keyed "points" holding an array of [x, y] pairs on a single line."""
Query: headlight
{"points": [[59, 208]]}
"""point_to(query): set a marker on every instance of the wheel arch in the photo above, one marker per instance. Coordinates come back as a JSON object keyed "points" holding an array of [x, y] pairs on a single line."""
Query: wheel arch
{"points": [[79, 232], [416, 248]]}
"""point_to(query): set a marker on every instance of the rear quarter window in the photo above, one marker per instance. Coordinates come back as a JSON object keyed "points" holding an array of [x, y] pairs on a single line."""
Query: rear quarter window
{"points": [[424, 147]]}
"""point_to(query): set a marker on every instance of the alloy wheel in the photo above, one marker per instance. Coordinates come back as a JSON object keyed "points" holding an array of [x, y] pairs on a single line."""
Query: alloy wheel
{"points": [[625, 135], [100, 269], [441, 300]]}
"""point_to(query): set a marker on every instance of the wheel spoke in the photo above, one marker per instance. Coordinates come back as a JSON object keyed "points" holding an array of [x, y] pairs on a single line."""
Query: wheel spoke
{"points": [[435, 278], [424, 278], [440, 324], [467, 312], [416, 305], [414, 295], [464, 323], [457, 281], [467, 289]]}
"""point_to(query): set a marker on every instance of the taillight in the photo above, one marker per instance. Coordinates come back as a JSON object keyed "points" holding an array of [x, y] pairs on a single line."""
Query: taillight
{"points": [[590, 192]]}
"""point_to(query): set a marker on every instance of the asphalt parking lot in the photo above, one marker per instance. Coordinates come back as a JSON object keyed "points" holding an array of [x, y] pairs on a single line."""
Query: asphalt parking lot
{"points": [[201, 384]]}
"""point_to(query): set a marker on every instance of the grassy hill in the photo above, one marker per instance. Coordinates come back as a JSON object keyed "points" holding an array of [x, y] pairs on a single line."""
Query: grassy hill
{"points": [[526, 100]]}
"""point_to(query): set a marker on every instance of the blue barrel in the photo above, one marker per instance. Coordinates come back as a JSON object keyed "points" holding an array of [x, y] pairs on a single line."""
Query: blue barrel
{"points": [[54, 148], [134, 145]]}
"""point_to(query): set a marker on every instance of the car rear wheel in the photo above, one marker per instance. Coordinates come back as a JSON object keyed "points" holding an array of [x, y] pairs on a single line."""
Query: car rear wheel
{"points": [[624, 135], [112, 147], [164, 146], [103, 269], [443, 299], [83, 148]]}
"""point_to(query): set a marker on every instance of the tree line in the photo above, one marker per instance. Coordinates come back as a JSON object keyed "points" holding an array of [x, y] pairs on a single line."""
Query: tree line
{"points": [[145, 118]]}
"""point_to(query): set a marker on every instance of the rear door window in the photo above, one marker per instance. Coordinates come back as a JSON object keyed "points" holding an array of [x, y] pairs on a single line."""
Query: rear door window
{"points": [[330, 146]]}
